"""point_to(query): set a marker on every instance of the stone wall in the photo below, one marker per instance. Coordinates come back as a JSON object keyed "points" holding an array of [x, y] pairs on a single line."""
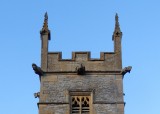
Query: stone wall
{"points": [[101, 79], [64, 109], [54, 109], [55, 88]]}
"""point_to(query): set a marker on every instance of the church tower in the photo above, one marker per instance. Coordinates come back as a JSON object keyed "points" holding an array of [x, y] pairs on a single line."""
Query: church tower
{"points": [[81, 85]]}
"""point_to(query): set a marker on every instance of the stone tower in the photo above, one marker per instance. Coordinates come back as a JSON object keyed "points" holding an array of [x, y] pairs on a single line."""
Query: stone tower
{"points": [[81, 85]]}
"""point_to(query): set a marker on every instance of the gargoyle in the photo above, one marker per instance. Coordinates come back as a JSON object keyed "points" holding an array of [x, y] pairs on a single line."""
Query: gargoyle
{"points": [[125, 70], [37, 94], [37, 69], [80, 70]]}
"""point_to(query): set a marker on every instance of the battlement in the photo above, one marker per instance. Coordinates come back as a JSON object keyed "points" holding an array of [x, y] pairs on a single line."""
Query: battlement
{"points": [[82, 56], [106, 62]]}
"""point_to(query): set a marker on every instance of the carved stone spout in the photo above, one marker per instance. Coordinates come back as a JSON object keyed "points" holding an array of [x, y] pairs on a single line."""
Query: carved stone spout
{"points": [[37, 94], [80, 70], [37, 69], [125, 70]]}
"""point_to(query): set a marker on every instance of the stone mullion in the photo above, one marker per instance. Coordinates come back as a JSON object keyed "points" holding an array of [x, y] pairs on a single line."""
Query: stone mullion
{"points": [[80, 104]]}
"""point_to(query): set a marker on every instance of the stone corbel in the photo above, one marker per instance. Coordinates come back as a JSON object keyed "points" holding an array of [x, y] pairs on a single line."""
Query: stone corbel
{"points": [[37, 69], [125, 70]]}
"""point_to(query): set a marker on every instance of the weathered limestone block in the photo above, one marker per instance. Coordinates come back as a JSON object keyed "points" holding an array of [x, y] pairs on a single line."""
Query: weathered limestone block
{"points": [[54, 109], [105, 108]]}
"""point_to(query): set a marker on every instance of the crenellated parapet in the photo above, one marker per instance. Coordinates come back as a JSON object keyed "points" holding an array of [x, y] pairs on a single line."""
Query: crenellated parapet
{"points": [[106, 62], [82, 56]]}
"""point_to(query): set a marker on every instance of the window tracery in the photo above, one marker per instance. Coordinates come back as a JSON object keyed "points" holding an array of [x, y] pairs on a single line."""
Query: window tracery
{"points": [[80, 104]]}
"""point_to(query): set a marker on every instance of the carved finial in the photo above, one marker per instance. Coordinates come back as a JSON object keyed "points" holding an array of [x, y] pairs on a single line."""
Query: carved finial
{"points": [[116, 17], [46, 16], [117, 30], [117, 27], [45, 25]]}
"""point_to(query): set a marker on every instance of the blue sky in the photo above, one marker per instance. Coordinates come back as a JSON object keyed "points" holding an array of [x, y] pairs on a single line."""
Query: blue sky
{"points": [[79, 25]]}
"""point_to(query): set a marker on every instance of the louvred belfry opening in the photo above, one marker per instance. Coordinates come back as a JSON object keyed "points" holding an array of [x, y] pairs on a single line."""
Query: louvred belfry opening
{"points": [[80, 104]]}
